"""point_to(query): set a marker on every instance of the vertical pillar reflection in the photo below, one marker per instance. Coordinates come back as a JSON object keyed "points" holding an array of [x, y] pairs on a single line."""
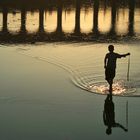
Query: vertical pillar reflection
{"points": [[131, 17], [95, 17], [41, 20], [23, 21], [59, 18], [113, 17], [77, 17], [5, 14]]}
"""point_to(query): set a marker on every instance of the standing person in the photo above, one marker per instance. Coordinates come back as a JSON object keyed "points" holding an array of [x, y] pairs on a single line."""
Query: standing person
{"points": [[110, 65]]}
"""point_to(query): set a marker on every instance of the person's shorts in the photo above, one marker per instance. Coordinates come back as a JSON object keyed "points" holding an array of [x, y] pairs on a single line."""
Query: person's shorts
{"points": [[109, 74]]}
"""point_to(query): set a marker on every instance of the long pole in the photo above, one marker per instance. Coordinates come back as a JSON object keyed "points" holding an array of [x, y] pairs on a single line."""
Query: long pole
{"points": [[128, 68]]}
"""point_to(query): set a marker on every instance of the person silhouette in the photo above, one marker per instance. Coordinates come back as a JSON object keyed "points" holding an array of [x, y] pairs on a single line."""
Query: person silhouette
{"points": [[109, 115], [110, 65]]}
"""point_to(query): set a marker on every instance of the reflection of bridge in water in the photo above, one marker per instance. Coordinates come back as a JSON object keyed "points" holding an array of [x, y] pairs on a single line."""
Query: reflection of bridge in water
{"points": [[23, 35]]}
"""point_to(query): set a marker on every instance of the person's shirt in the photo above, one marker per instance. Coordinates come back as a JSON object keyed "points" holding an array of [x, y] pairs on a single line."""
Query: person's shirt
{"points": [[111, 59]]}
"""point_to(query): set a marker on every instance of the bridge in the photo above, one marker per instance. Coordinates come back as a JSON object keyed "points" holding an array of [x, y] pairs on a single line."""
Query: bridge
{"points": [[41, 34]]}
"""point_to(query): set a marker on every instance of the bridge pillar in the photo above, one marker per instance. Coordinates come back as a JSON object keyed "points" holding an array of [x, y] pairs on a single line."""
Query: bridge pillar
{"points": [[77, 17], [59, 18], [23, 21], [5, 14], [113, 18], [95, 17], [131, 17], [41, 20]]}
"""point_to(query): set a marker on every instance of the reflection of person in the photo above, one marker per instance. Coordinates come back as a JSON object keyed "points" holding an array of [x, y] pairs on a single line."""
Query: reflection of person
{"points": [[110, 64], [109, 115]]}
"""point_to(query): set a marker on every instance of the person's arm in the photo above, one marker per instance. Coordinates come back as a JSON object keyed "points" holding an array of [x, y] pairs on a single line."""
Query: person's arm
{"points": [[105, 61], [123, 55], [121, 126]]}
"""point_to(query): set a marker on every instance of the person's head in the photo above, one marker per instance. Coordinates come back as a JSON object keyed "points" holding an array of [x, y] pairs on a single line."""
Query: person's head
{"points": [[111, 48], [108, 131]]}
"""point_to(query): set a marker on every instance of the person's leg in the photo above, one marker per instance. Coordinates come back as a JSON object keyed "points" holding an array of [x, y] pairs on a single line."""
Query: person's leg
{"points": [[110, 85], [112, 76], [109, 75]]}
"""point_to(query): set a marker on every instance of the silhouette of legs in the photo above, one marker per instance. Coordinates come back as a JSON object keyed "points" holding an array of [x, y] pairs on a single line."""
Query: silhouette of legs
{"points": [[110, 82], [109, 76]]}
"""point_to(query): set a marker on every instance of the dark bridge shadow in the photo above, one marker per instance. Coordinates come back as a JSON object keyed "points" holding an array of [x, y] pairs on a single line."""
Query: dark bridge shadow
{"points": [[59, 35]]}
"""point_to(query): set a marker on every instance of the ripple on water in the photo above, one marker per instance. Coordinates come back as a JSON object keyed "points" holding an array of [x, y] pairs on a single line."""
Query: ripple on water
{"points": [[120, 88], [88, 73]]}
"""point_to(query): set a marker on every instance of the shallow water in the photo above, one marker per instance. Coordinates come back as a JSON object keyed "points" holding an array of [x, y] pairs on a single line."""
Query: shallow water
{"points": [[57, 91], [41, 96], [84, 64]]}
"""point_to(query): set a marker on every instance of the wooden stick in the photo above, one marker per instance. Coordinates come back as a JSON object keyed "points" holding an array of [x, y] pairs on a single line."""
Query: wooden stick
{"points": [[128, 68]]}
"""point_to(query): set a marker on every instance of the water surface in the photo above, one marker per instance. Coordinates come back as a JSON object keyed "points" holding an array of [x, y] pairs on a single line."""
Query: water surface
{"points": [[39, 99], [52, 82]]}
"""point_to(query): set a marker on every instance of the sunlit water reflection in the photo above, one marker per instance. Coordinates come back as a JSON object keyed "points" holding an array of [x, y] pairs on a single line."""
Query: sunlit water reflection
{"points": [[120, 87], [86, 25], [84, 63]]}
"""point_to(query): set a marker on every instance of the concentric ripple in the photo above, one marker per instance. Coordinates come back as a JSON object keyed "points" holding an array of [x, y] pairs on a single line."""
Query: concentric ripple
{"points": [[87, 72], [120, 88]]}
